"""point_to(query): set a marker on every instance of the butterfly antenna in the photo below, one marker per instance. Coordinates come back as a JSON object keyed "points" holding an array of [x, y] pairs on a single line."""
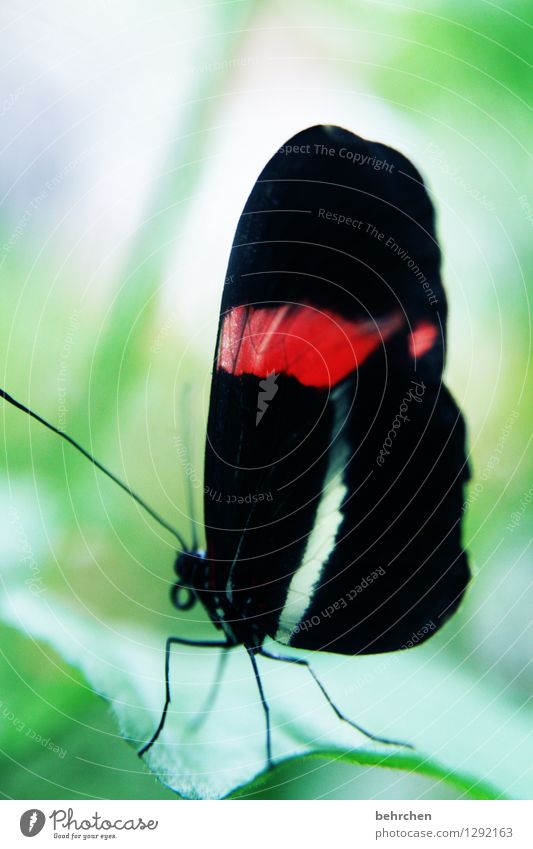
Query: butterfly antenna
{"points": [[98, 465]]}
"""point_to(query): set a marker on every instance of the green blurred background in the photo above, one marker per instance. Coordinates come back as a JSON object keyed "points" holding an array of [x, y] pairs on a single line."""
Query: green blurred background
{"points": [[131, 134]]}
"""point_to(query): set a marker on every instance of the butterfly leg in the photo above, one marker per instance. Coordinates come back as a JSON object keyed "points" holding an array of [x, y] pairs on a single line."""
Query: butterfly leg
{"points": [[251, 653], [182, 642], [301, 662]]}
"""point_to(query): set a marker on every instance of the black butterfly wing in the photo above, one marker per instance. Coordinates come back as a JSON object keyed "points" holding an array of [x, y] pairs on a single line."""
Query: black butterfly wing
{"points": [[335, 457]]}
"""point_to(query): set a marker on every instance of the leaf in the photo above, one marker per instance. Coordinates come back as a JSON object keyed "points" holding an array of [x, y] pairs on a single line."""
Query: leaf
{"points": [[226, 754]]}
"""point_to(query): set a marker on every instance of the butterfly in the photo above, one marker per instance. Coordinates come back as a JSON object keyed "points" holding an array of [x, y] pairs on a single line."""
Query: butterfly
{"points": [[335, 456]]}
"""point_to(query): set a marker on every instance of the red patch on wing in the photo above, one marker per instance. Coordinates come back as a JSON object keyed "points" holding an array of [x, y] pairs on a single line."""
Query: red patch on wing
{"points": [[422, 339], [317, 347]]}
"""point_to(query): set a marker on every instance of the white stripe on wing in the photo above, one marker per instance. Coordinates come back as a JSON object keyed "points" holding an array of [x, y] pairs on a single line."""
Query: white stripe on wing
{"points": [[323, 536]]}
